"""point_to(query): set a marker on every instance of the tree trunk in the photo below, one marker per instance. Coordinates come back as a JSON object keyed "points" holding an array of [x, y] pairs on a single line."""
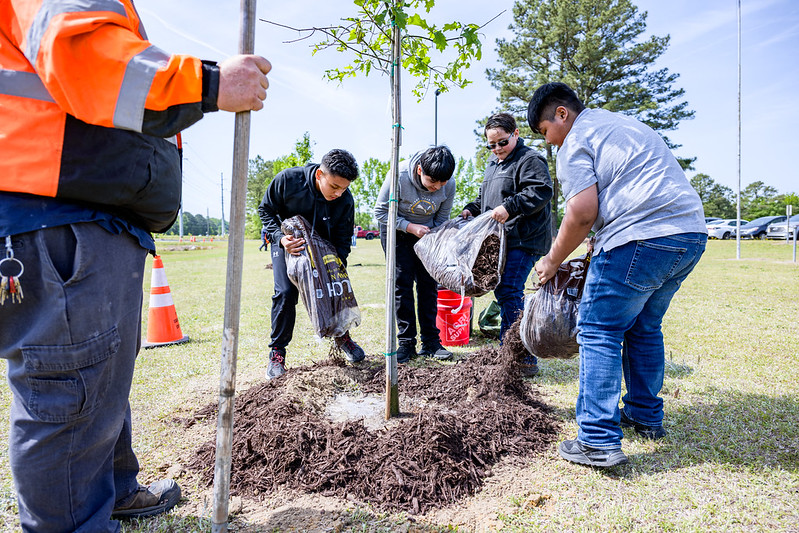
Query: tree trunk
{"points": [[392, 389]]}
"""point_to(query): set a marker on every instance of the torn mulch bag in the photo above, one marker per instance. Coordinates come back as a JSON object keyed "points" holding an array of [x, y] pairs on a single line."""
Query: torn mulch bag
{"points": [[549, 321], [322, 281], [466, 256]]}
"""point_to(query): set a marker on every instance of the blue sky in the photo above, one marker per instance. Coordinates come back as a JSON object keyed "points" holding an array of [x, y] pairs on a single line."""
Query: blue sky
{"points": [[355, 115]]}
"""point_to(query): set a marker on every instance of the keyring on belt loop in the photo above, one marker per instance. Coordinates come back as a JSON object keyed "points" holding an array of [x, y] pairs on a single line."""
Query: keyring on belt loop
{"points": [[10, 257], [13, 260]]}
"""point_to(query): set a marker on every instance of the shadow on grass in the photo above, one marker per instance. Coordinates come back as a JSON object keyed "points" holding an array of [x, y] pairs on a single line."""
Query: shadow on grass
{"points": [[750, 431], [735, 428], [564, 371]]}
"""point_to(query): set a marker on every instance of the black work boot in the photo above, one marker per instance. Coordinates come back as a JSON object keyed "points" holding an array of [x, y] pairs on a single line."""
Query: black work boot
{"points": [[158, 498]]}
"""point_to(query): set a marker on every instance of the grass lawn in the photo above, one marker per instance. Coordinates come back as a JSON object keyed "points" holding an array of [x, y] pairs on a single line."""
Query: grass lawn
{"points": [[729, 463]]}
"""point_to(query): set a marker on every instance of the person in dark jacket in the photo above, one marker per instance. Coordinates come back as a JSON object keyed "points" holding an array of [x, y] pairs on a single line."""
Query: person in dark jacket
{"points": [[516, 189], [319, 193]]}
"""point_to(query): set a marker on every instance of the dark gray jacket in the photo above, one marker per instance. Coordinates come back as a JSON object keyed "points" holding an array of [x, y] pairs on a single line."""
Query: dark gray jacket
{"points": [[522, 184]]}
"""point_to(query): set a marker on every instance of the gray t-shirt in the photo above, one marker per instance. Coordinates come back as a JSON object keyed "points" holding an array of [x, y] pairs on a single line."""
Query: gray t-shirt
{"points": [[643, 191]]}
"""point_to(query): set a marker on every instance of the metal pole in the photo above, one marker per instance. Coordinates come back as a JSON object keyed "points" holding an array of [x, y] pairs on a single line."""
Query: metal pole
{"points": [[222, 190], [392, 389], [230, 331], [738, 222], [435, 134]]}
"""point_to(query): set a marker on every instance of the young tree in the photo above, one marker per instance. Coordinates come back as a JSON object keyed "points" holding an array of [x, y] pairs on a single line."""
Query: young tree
{"points": [[386, 36], [598, 48]]}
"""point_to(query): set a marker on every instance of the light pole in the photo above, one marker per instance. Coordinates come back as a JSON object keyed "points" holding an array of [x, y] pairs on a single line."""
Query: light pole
{"points": [[435, 131]]}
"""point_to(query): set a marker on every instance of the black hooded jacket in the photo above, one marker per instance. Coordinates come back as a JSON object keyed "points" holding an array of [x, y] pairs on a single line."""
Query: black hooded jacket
{"points": [[522, 184], [293, 192]]}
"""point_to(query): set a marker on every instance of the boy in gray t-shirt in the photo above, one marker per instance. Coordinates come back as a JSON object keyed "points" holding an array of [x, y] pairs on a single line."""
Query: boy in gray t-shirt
{"points": [[619, 179]]}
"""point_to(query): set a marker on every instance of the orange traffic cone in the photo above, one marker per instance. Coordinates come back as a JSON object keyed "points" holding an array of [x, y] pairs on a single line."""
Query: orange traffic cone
{"points": [[162, 323]]}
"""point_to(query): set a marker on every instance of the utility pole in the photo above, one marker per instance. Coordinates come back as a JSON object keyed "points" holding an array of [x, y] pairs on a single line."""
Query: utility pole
{"points": [[222, 185], [738, 203]]}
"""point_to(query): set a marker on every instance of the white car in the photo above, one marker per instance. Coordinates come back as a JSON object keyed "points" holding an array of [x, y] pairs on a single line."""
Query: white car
{"points": [[723, 229], [777, 230]]}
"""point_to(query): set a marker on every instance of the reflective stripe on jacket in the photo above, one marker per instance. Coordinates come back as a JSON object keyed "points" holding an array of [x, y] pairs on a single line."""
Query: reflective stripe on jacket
{"points": [[86, 103]]}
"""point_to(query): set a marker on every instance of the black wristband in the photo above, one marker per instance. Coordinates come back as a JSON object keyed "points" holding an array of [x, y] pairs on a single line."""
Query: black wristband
{"points": [[210, 86]]}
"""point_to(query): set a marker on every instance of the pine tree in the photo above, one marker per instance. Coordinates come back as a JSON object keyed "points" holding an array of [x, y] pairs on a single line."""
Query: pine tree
{"points": [[598, 48]]}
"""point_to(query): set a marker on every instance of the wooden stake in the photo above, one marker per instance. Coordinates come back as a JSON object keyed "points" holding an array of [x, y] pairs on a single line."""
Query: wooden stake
{"points": [[235, 260]]}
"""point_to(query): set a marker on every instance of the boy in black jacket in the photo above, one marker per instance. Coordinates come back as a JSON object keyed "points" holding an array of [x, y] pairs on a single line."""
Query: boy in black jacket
{"points": [[317, 192], [516, 189]]}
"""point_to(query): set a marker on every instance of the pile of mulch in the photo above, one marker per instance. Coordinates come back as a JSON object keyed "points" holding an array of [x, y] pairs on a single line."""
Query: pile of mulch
{"points": [[469, 416], [485, 272]]}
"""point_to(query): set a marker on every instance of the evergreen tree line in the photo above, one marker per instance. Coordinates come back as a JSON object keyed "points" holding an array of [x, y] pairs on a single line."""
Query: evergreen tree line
{"points": [[198, 225]]}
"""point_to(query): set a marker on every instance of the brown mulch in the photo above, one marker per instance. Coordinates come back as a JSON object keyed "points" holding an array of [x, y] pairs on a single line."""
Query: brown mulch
{"points": [[486, 276], [472, 414]]}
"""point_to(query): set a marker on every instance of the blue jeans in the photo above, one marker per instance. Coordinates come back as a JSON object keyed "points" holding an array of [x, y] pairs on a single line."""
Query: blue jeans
{"points": [[627, 293], [71, 345], [510, 291]]}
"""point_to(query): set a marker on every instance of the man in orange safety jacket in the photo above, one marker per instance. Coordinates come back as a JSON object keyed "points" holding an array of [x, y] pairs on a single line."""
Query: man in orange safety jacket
{"points": [[88, 168]]}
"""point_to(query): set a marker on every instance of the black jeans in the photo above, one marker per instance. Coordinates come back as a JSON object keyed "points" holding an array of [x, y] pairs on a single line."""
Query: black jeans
{"points": [[409, 269], [284, 301]]}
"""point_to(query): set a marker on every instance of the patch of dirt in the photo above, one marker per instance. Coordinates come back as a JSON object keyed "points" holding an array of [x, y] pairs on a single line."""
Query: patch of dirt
{"points": [[459, 421]]}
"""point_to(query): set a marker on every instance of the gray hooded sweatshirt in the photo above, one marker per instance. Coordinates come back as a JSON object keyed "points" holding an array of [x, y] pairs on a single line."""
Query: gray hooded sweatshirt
{"points": [[416, 204]]}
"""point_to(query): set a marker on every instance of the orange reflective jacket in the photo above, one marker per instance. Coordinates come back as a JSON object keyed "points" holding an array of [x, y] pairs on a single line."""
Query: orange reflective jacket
{"points": [[86, 103]]}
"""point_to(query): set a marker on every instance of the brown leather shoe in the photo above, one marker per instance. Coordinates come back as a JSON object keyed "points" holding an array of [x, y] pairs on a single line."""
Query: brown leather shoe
{"points": [[158, 498]]}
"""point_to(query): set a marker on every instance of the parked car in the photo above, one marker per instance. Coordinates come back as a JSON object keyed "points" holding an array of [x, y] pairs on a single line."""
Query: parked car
{"points": [[777, 230], [367, 234], [757, 228], [709, 220], [723, 229]]}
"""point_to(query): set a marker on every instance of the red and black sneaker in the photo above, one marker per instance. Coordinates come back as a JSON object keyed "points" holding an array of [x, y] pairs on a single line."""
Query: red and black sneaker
{"points": [[277, 364], [352, 352]]}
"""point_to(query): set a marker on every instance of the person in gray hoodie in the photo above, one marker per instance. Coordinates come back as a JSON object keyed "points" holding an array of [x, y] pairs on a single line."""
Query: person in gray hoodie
{"points": [[425, 193]]}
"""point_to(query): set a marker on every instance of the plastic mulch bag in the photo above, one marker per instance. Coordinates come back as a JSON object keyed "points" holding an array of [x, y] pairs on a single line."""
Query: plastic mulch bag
{"points": [[466, 256], [322, 281], [549, 320]]}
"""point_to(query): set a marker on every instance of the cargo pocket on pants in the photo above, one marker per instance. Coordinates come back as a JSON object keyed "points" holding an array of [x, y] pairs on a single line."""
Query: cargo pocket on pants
{"points": [[68, 382]]}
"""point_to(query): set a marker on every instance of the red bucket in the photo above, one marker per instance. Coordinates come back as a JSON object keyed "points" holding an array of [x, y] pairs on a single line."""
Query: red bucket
{"points": [[453, 326]]}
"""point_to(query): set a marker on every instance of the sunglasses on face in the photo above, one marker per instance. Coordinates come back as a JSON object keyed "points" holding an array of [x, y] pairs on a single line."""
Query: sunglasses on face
{"points": [[501, 144]]}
